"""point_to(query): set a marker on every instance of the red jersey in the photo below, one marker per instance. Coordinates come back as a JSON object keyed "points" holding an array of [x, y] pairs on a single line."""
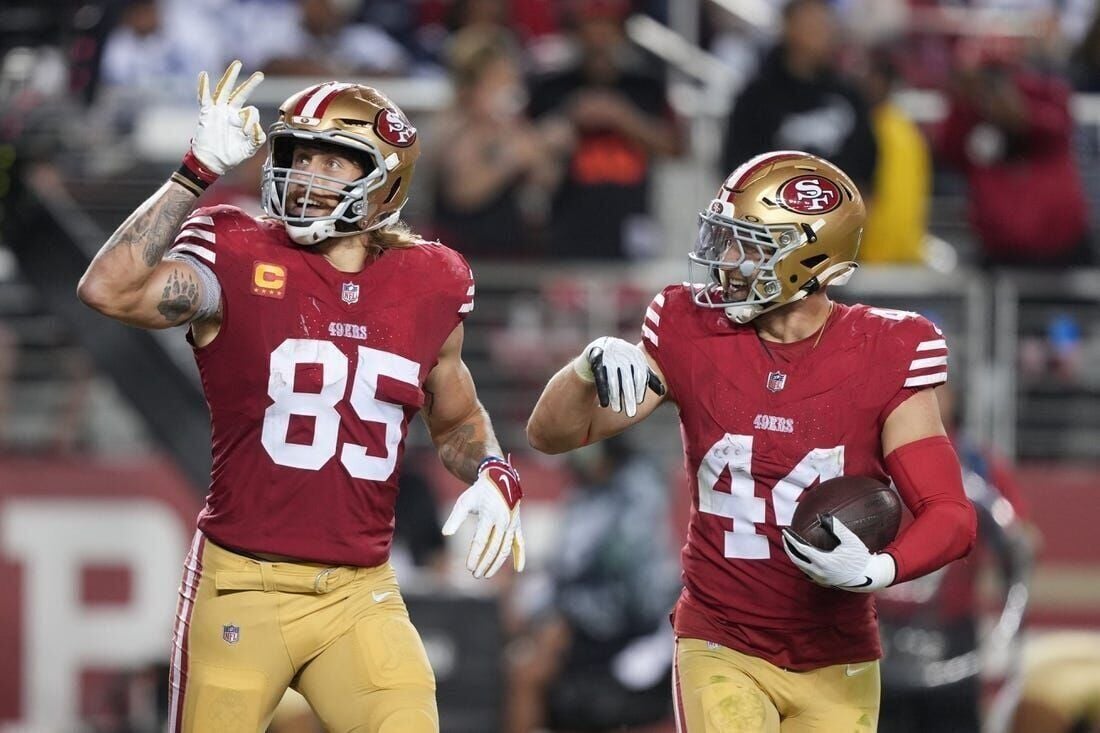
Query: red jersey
{"points": [[762, 423], [311, 382]]}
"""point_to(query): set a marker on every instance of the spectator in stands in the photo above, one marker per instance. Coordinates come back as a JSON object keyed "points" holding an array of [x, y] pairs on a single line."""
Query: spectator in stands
{"points": [[1010, 133], [799, 101], [596, 657], [327, 42], [931, 665], [147, 58], [528, 19], [621, 121], [902, 180], [1085, 60], [494, 166]]}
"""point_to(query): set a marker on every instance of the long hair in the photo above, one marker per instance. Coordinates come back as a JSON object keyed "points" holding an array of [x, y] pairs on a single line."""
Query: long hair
{"points": [[393, 236]]}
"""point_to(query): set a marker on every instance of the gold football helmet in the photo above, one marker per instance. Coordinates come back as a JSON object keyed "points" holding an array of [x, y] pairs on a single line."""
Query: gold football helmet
{"points": [[355, 117], [784, 225]]}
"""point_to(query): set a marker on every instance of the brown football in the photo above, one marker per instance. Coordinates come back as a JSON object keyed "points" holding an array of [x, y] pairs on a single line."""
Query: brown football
{"points": [[866, 506]]}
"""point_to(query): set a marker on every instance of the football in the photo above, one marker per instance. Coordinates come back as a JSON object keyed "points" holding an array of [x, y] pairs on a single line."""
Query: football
{"points": [[866, 506]]}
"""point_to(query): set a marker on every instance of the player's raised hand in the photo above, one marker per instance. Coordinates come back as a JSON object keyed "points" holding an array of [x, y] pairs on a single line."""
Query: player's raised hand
{"points": [[848, 566], [494, 499], [228, 132], [620, 372]]}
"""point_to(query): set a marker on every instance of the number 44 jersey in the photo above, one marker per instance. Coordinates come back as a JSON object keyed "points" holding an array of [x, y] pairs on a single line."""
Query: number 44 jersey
{"points": [[761, 424], [311, 382]]}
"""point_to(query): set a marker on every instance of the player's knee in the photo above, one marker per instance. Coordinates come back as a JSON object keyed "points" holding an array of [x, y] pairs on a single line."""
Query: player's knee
{"points": [[226, 700], [733, 707], [394, 655]]}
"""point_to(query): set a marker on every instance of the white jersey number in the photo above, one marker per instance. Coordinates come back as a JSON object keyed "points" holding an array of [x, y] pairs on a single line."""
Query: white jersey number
{"points": [[321, 406], [742, 505]]}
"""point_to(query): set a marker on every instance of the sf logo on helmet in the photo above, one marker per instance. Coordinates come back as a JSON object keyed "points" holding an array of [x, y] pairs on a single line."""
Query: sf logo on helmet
{"points": [[809, 195], [394, 128]]}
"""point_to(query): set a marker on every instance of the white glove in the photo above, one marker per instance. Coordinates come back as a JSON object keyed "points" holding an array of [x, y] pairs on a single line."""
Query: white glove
{"points": [[227, 133], [620, 372], [494, 498], [848, 566]]}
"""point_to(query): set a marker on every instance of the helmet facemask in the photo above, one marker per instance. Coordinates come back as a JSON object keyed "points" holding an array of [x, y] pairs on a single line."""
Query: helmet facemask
{"points": [[284, 188], [733, 264]]}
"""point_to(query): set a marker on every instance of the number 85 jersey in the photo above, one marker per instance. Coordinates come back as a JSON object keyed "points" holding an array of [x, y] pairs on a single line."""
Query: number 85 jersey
{"points": [[311, 382], [762, 423]]}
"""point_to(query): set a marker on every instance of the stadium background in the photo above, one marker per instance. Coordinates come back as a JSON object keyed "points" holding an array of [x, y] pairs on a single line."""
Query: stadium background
{"points": [[103, 433]]}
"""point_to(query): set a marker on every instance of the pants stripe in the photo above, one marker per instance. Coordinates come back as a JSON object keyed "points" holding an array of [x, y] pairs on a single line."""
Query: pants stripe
{"points": [[677, 698], [178, 676]]}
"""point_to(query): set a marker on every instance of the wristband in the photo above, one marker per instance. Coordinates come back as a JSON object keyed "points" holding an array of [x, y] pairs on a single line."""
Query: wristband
{"points": [[196, 175], [493, 459]]}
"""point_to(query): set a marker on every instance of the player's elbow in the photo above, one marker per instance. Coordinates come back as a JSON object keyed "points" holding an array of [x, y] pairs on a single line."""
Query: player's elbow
{"points": [[93, 293], [542, 439], [538, 439], [970, 528], [97, 292], [962, 521]]}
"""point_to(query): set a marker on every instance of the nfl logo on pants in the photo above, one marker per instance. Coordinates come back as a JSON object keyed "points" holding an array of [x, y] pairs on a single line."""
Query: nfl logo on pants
{"points": [[231, 634]]}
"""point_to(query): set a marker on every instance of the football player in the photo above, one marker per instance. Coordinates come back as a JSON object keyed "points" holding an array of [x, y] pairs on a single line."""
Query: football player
{"points": [[778, 388], [319, 330]]}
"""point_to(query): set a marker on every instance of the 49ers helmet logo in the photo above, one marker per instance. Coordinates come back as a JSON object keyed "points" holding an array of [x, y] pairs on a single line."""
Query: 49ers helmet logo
{"points": [[809, 194], [392, 127]]}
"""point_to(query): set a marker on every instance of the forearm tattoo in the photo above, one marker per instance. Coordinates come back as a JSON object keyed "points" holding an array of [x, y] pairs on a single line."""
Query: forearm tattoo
{"points": [[153, 226], [180, 297], [463, 450]]}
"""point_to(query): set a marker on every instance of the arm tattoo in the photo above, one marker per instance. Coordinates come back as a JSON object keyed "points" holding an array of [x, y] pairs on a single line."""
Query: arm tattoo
{"points": [[180, 297], [463, 450], [154, 224]]}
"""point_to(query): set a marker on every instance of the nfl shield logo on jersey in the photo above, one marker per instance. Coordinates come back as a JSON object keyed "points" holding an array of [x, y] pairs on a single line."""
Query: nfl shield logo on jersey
{"points": [[776, 381], [231, 634], [350, 293]]}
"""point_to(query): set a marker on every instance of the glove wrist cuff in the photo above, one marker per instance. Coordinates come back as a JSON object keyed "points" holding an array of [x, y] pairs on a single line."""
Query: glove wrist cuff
{"points": [[488, 460], [583, 368], [504, 477], [193, 168], [881, 569]]}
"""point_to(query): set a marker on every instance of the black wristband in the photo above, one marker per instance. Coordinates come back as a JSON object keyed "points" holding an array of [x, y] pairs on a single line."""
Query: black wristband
{"points": [[188, 179]]}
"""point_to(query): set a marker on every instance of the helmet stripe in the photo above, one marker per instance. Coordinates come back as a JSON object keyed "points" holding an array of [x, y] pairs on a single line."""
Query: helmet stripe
{"points": [[320, 99], [745, 171], [306, 96]]}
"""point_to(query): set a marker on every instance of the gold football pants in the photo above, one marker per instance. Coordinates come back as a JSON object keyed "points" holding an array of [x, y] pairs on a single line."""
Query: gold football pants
{"points": [[719, 690], [246, 630]]}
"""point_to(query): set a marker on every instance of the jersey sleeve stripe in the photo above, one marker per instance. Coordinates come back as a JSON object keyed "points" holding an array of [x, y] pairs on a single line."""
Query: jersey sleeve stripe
{"points": [[197, 250], [207, 220], [200, 233], [470, 290], [932, 345], [931, 361], [649, 335], [659, 300], [466, 307], [926, 379], [652, 315]]}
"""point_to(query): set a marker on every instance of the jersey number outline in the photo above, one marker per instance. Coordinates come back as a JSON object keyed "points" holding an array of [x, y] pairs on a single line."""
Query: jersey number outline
{"points": [[321, 406], [742, 505]]}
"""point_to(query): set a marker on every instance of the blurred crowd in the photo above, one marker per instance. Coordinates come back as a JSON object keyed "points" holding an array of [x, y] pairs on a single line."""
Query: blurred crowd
{"points": [[559, 117], [547, 149]]}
